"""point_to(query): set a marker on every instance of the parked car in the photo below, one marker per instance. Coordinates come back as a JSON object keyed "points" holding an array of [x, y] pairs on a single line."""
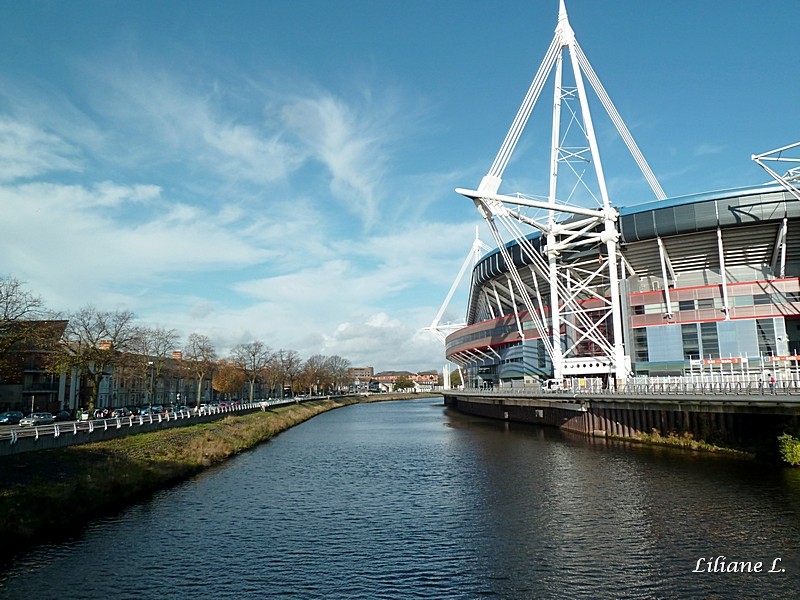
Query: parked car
{"points": [[63, 415], [11, 417], [37, 418], [120, 412]]}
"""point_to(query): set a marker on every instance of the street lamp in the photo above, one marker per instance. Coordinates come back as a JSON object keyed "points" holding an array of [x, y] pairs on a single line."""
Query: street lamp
{"points": [[150, 385]]}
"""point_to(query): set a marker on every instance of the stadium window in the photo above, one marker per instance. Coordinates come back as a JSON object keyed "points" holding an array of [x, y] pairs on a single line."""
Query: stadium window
{"points": [[710, 339], [761, 299], [793, 296], [705, 303], [777, 298], [765, 331], [743, 301], [655, 309], [541, 354], [641, 353], [638, 309], [691, 343], [686, 305]]}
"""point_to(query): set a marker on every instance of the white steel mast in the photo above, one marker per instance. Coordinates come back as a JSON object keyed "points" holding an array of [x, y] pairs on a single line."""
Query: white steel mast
{"points": [[582, 328]]}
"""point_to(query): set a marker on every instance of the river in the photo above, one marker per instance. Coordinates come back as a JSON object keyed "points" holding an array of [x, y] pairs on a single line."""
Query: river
{"points": [[408, 499]]}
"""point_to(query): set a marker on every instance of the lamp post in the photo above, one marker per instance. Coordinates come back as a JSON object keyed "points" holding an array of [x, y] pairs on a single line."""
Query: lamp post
{"points": [[150, 385]]}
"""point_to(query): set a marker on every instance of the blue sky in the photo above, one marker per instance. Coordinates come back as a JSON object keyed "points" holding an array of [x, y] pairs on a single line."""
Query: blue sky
{"points": [[284, 170]]}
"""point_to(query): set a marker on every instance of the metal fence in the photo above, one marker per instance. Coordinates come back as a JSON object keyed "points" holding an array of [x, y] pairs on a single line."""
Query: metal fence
{"points": [[652, 387], [13, 433]]}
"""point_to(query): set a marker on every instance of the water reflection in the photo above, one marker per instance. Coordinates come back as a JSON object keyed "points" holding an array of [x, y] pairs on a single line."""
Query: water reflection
{"points": [[408, 499]]}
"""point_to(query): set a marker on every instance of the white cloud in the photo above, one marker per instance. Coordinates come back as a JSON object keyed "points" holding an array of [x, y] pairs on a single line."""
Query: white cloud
{"points": [[202, 215], [28, 151], [352, 142], [707, 149]]}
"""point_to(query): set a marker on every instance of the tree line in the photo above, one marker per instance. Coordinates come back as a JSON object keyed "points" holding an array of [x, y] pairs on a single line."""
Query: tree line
{"points": [[95, 343]]}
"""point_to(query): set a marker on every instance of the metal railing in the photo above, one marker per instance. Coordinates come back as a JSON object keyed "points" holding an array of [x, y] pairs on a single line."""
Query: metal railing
{"points": [[13, 433], [786, 390]]}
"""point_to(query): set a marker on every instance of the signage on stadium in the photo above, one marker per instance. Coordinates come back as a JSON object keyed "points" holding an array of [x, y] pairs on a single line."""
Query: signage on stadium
{"points": [[784, 358], [724, 361]]}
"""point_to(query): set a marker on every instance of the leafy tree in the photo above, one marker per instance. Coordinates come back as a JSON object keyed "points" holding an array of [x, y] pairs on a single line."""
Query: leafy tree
{"points": [[403, 383], [456, 378], [252, 358], [228, 378], [200, 356]]}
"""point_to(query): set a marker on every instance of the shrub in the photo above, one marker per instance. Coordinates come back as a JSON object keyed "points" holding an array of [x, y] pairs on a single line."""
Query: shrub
{"points": [[789, 447]]}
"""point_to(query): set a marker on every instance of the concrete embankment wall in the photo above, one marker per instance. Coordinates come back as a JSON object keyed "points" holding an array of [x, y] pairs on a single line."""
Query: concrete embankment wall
{"points": [[708, 420]]}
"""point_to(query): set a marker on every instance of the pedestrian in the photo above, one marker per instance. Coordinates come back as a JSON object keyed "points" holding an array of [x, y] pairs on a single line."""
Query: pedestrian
{"points": [[772, 384]]}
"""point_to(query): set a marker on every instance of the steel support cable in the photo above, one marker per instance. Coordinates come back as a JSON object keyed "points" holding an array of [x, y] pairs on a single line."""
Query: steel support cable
{"points": [[619, 123], [536, 316], [585, 334], [525, 110], [516, 310], [518, 280], [584, 326], [521, 119], [588, 324], [570, 301]]}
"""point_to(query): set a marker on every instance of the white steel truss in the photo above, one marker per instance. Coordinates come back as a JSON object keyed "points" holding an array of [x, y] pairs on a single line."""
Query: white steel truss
{"points": [[791, 179], [438, 329], [791, 183], [581, 327]]}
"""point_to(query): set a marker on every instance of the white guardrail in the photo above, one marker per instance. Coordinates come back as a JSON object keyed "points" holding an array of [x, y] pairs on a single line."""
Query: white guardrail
{"points": [[12, 433]]}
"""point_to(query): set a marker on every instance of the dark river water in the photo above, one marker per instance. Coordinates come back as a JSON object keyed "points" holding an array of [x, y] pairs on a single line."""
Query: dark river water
{"points": [[409, 500]]}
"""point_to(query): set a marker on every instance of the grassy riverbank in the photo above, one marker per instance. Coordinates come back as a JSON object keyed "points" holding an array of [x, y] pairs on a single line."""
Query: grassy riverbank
{"points": [[51, 493]]}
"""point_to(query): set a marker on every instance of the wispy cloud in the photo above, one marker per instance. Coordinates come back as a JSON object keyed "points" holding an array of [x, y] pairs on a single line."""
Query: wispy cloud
{"points": [[353, 145], [28, 151], [707, 149], [229, 208]]}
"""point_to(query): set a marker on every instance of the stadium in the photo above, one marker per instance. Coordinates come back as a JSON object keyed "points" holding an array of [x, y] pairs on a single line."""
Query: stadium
{"points": [[711, 285], [700, 287]]}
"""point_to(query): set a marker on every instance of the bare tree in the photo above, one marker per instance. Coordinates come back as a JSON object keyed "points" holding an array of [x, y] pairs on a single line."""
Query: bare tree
{"points": [[93, 343], [19, 309], [289, 365], [314, 375], [337, 368], [270, 374], [17, 303], [251, 358], [151, 347], [201, 357]]}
